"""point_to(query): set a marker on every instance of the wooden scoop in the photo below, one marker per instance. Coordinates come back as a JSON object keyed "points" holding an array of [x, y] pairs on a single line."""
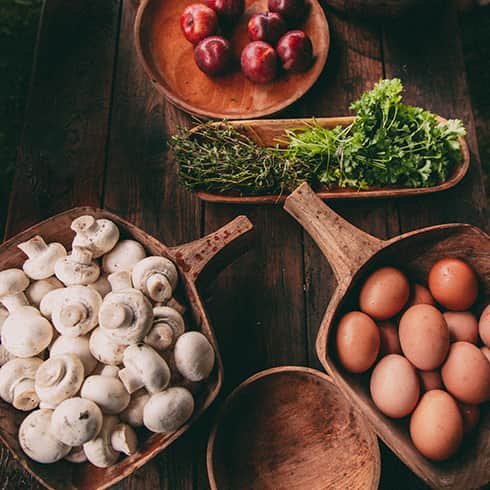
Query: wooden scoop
{"points": [[195, 261], [353, 255], [290, 428]]}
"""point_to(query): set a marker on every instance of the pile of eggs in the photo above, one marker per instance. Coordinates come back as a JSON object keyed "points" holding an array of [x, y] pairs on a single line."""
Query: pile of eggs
{"points": [[431, 355], [94, 345]]}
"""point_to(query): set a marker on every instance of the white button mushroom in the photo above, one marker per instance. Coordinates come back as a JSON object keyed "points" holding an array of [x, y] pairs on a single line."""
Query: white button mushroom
{"points": [[156, 277], [37, 440], [194, 356], [76, 455], [5, 356], [17, 383], [25, 333], [123, 257], [102, 285], [3, 315], [76, 421], [113, 439], [39, 289], [168, 410], [75, 310], [58, 378], [168, 326], [126, 315], [143, 367], [78, 346], [13, 283], [41, 257], [99, 236], [133, 414], [104, 349], [107, 391], [77, 268]]}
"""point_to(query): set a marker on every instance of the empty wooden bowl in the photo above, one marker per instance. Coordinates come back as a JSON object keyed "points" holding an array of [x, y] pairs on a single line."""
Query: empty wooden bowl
{"points": [[353, 255], [195, 261], [290, 428], [168, 60]]}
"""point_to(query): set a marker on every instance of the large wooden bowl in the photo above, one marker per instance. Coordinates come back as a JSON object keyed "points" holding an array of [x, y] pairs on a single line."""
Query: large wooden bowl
{"points": [[291, 428], [354, 254], [267, 132], [168, 60], [195, 260]]}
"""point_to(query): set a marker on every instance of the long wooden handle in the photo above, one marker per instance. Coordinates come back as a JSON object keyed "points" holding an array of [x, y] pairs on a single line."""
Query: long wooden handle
{"points": [[215, 248], [346, 247]]}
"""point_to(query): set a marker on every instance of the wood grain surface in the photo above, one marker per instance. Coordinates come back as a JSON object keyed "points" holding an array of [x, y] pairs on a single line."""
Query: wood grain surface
{"points": [[95, 134]]}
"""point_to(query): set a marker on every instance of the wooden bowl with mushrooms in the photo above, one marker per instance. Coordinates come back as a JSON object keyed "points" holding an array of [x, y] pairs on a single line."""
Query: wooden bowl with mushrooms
{"points": [[155, 382]]}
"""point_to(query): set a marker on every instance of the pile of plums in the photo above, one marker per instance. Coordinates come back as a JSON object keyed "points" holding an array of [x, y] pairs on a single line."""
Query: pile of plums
{"points": [[272, 46]]}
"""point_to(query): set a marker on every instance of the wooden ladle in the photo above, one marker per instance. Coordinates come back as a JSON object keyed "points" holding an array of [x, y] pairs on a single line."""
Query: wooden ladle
{"points": [[290, 428], [354, 254]]}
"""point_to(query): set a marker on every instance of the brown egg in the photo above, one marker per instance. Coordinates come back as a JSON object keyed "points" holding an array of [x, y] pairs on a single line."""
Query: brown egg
{"points": [[471, 416], [484, 326], [357, 341], [466, 373], [420, 296], [390, 344], [462, 325], [486, 352], [453, 284], [436, 425], [394, 386], [384, 293], [430, 380], [424, 337]]}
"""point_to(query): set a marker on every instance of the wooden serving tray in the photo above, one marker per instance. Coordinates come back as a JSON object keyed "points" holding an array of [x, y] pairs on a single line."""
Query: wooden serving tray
{"points": [[196, 261], [353, 255], [266, 132]]}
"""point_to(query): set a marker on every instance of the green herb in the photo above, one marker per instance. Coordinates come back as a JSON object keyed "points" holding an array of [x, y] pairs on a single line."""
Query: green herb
{"points": [[388, 144]]}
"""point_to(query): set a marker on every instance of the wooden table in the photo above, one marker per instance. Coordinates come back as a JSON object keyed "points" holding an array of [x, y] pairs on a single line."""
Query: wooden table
{"points": [[95, 134]]}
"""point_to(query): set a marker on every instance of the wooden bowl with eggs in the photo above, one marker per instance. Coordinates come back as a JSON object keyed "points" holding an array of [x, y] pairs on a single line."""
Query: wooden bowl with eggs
{"points": [[354, 255]]}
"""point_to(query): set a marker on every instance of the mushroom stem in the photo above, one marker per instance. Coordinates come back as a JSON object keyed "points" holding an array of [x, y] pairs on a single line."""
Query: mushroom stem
{"points": [[73, 314], [124, 440], [131, 380], [24, 396], [14, 302], [116, 316], [81, 255], [120, 281], [85, 225], [33, 247], [159, 287]]}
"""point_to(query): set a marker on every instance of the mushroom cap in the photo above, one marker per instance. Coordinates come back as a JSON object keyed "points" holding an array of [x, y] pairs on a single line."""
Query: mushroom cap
{"points": [[37, 441], [168, 326], [47, 303], [72, 273], [76, 455], [99, 236], [124, 439], [104, 348], [194, 356], [12, 374], [5, 356], [99, 451], [75, 310], [168, 410], [76, 421], [3, 316], [133, 414], [108, 392], [156, 277], [12, 281], [40, 264], [25, 333], [102, 286], [144, 366], [38, 289], [126, 316], [59, 378], [78, 346], [124, 256]]}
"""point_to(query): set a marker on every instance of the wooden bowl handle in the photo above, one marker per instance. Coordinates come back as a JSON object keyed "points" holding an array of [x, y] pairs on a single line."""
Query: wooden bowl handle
{"points": [[346, 247], [215, 248]]}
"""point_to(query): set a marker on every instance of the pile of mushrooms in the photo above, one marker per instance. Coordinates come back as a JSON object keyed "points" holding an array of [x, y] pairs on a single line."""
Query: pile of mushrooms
{"points": [[94, 342]]}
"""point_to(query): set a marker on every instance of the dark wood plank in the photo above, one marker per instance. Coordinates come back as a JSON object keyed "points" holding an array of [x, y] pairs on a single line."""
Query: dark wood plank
{"points": [[425, 52], [141, 185], [62, 151]]}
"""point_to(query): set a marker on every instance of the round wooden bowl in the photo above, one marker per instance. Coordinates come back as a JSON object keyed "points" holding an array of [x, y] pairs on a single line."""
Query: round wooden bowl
{"points": [[290, 427], [168, 60]]}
